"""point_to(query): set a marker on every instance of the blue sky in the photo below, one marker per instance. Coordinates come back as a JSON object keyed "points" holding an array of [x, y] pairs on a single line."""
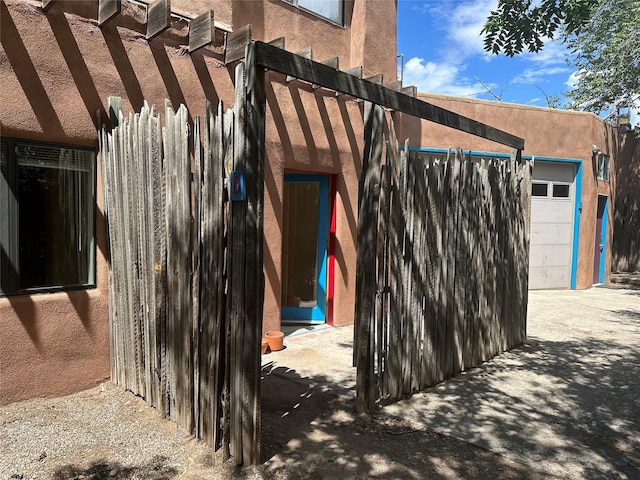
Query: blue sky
{"points": [[443, 53]]}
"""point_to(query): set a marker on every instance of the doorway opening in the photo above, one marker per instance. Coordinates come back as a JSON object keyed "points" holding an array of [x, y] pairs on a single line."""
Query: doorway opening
{"points": [[305, 248], [600, 240]]}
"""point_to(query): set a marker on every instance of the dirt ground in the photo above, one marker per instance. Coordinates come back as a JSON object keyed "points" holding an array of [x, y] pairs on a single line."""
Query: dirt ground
{"points": [[309, 432], [583, 406]]}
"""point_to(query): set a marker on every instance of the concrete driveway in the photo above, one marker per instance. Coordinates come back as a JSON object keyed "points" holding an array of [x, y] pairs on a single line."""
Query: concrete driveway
{"points": [[568, 402]]}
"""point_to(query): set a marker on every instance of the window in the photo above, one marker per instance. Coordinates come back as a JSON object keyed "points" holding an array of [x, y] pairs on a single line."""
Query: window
{"points": [[47, 198], [603, 167], [332, 10], [560, 190], [539, 189]]}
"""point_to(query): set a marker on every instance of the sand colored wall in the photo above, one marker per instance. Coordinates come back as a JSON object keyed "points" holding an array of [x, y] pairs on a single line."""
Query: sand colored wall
{"points": [[547, 133], [56, 72], [367, 39], [312, 133]]}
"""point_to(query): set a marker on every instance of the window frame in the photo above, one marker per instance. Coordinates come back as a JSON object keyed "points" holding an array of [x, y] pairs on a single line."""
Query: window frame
{"points": [[342, 23], [12, 220], [603, 167]]}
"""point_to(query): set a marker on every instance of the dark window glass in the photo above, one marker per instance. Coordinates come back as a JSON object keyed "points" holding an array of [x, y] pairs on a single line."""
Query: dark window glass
{"points": [[539, 189], [50, 229], [560, 190]]}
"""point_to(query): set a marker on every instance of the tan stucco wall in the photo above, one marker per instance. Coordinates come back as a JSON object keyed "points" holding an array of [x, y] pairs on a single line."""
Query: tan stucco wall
{"points": [[310, 132], [367, 39], [547, 133], [57, 70]]}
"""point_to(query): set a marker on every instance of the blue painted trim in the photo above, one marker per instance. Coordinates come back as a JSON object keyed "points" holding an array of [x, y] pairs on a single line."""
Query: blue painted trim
{"points": [[578, 194], [577, 211], [316, 314], [603, 237]]}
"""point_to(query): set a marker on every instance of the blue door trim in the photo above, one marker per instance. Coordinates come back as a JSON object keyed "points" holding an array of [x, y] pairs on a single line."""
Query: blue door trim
{"points": [[316, 314], [603, 238]]}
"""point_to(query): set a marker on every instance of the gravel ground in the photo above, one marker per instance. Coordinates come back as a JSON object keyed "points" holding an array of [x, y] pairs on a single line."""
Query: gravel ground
{"points": [[101, 433], [584, 345]]}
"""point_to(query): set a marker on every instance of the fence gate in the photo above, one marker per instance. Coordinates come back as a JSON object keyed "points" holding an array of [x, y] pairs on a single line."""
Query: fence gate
{"points": [[182, 268], [442, 268]]}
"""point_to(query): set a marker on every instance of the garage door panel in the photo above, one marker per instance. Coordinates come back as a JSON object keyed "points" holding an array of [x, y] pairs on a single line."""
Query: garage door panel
{"points": [[548, 277], [550, 255], [554, 172], [550, 234], [551, 211], [552, 228]]}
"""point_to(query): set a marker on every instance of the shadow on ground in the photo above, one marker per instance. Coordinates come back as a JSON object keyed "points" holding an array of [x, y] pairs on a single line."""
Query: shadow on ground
{"points": [[156, 469], [310, 430], [569, 407]]}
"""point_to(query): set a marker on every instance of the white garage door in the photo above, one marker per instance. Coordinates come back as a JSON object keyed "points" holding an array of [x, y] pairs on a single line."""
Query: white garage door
{"points": [[552, 210]]}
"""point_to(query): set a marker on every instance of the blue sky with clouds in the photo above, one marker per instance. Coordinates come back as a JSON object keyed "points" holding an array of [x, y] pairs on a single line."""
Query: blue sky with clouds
{"points": [[443, 53]]}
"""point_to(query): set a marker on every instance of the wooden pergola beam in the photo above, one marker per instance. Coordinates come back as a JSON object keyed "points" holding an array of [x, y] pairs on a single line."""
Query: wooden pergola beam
{"points": [[273, 58]]}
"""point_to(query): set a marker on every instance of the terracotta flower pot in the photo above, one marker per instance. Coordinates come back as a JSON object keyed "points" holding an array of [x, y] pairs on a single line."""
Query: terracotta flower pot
{"points": [[276, 340], [265, 345]]}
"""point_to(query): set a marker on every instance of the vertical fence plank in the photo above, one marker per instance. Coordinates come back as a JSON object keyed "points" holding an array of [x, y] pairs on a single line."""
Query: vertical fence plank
{"points": [[458, 293], [366, 256], [254, 282]]}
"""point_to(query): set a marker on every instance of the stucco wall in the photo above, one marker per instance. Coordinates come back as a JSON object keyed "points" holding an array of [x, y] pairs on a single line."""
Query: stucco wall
{"points": [[547, 133], [310, 132], [57, 70]]}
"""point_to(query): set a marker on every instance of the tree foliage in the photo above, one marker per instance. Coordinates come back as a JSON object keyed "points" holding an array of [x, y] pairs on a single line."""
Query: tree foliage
{"points": [[603, 37], [607, 55], [516, 24]]}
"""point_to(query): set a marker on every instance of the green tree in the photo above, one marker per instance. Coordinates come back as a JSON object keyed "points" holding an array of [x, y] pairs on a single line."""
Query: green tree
{"points": [[602, 35]]}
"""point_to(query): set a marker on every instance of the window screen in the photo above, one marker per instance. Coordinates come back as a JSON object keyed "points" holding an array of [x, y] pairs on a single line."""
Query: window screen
{"points": [[48, 192]]}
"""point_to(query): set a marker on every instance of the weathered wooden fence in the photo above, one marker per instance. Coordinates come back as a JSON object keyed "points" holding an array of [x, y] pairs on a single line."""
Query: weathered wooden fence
{"points": [[182, 333], [442, 264]]}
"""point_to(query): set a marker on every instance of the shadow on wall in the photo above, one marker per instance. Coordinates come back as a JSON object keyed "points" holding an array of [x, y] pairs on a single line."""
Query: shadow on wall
{"points": [[308, 138], [125, 42], [27, 74], [626, 217]]}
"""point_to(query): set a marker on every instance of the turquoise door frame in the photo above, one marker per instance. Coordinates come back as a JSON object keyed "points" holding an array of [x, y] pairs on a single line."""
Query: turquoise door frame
{"points": [[603, 237], [316, 314]]}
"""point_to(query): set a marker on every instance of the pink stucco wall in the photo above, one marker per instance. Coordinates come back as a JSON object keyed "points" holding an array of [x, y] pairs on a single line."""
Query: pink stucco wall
{"points": [[57, 70]]}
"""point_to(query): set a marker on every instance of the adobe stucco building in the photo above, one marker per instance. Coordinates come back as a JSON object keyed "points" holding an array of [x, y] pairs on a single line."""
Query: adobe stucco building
{"points": [[58, 67]]}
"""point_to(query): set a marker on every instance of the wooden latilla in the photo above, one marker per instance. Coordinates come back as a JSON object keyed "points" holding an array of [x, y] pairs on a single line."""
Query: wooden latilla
{"points": [[107, 9], [158, 17], [449, 287], [166, 295], [201, 31]]}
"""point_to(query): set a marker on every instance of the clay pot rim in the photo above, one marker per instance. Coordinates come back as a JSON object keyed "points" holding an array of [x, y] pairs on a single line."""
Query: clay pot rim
{"points": [[274, 334]]}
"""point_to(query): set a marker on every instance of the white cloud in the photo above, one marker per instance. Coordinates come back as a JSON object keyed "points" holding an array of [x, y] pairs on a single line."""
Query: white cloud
{"points": [[440, 77], [464, 25], [573, 79], [532, 76], [554, 52]]}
